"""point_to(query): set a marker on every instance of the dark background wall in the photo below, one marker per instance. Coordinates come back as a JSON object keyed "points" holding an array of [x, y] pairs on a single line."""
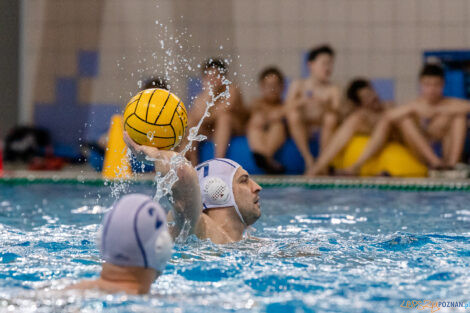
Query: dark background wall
{"points": [[9, 64]]}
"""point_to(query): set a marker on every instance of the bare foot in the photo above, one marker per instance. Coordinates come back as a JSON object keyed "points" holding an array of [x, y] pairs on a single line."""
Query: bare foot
{"points": [[310, 168], [270, 165], [311, 172], [438, 165], [442, 167], [349, 171], [315, 171]]}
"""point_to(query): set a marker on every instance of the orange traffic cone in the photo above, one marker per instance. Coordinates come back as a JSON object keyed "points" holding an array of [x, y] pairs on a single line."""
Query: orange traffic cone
{"points": [[116, 163]]}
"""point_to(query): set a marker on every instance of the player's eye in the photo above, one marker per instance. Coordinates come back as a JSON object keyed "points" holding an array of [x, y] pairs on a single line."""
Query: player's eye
{"points": [[244, 179]]}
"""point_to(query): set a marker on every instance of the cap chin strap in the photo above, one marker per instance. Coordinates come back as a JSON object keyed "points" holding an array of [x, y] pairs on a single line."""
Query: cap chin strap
{"points": [[239, 214]]}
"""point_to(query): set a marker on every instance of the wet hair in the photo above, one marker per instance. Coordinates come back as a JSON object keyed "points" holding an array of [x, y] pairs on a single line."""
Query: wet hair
{"points": [[272, 70], [354, 87], [432, 70], [214, 63], [315, 52], [157, 82]]}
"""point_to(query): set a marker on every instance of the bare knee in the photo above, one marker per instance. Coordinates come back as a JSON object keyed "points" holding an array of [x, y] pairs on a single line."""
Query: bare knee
{"points": [[404, 123], [458, 126], [460, 121], [388, 120], [257, 121]]}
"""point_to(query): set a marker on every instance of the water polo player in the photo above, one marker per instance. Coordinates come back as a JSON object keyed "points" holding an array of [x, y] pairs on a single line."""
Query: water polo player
{"points": [[135, 245], [217, 199]]}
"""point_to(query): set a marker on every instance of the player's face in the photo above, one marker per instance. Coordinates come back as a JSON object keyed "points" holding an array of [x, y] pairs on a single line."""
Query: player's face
{"points": [[322, 67], [213, 78], [271, 88], [246, 192], [432, 88], [369, 98]]}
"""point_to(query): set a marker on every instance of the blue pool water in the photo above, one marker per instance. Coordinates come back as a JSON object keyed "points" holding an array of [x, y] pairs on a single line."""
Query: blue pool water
{"points": [[320, 251]]}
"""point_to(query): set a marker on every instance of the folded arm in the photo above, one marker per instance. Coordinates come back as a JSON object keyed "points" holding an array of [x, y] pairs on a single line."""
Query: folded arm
{"points": [[400, 112], [456, 107]]}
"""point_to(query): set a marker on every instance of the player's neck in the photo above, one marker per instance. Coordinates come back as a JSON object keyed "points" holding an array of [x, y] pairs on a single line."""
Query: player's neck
{"points": [[434, 102], [132, 280], [229, 221], [271, 103]]}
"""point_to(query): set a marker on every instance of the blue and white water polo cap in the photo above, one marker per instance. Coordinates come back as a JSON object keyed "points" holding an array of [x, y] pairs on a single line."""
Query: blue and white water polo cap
{"points": [[216, 183], [135, 233]]}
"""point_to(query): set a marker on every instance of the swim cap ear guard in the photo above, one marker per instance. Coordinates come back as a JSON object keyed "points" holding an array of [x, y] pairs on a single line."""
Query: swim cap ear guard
{"points": [[216, 184], [162, 250], [135, 233], [216, 190]]}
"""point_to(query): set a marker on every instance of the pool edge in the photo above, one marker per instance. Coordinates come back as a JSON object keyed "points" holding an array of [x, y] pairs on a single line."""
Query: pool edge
{"points": [[382, 183]]}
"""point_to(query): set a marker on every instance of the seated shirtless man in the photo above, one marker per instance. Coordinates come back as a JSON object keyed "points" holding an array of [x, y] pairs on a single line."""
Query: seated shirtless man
{"points": [[266, 128], [217, 200], [314, 103], [429, 118], [228, 117], [368, 109]]}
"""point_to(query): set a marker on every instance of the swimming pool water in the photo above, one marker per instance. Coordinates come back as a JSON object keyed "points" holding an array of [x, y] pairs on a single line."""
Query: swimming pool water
{"points": [[351, 250]]}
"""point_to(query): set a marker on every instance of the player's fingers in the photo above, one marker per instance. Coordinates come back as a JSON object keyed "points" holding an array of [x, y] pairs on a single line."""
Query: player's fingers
{"points": [[129, 142], [140, 151], [126, 138]]}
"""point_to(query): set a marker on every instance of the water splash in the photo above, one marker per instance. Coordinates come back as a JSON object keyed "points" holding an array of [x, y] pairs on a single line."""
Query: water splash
{"points": [[120, 185], [171, 59], [165, 183]]}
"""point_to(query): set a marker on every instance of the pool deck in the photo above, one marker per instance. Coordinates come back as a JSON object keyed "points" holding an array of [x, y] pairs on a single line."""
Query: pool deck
{"points": [[85, 174]]}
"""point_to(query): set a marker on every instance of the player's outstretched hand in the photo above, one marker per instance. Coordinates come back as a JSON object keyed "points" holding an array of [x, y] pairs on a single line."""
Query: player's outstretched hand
{"points": [[142, 153]]}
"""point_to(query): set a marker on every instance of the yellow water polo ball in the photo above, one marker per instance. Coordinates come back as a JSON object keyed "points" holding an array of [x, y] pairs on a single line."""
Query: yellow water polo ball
{"points": [[156, 117]]}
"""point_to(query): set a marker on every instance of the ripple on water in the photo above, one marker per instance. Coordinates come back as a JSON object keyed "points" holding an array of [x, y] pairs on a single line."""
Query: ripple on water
{"points": [[443, 276], [277, 283], [399, 242], [8, 257], [201, 273]]}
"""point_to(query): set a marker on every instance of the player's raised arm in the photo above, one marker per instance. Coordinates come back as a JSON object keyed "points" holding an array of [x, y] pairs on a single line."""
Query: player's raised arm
{"points": [[187, 204]]}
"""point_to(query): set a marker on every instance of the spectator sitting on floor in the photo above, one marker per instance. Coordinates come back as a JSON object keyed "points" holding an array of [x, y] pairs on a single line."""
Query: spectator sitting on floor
{"points": [[228, 117], [429, 118], [266, 128], [368, 109], [314, 103]]}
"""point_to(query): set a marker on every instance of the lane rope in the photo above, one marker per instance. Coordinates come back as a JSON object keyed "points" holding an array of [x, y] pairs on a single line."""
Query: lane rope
{"points": [[279, 182]]}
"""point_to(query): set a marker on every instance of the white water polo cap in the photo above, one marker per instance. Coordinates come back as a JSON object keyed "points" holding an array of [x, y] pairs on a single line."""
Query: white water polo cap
{"points": [[135, 233], [216, 183]]}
